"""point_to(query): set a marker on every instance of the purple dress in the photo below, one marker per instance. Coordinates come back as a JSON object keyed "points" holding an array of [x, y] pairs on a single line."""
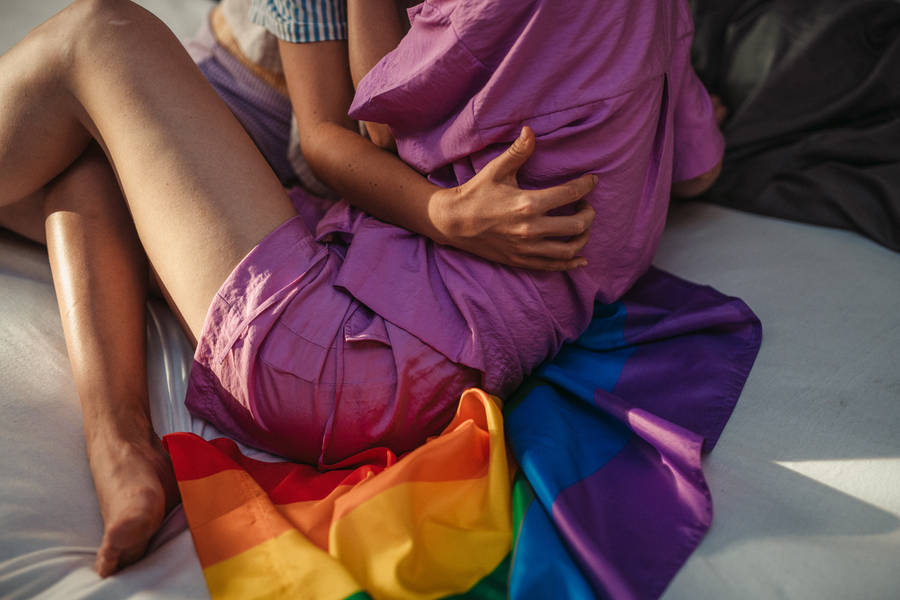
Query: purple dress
{"points": [[607, 87]]}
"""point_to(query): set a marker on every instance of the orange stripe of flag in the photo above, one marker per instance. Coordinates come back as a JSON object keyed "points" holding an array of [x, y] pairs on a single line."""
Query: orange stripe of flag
{"points": [[228, 514]]}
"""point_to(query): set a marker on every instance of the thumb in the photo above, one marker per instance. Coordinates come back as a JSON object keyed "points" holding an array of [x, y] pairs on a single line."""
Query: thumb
{"points": [[515, 156]]}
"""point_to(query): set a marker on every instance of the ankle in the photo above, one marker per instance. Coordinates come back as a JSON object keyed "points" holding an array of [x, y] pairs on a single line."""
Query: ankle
{"points": [[131, 427]]}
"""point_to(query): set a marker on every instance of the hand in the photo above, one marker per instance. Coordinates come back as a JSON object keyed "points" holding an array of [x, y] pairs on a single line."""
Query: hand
{"points": [[691, 188], [719, 109], [491, 217], [380, 135]]}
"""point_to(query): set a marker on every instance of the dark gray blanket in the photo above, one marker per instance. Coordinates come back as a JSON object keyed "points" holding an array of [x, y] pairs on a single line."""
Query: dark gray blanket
{"points": [[813, 87]]}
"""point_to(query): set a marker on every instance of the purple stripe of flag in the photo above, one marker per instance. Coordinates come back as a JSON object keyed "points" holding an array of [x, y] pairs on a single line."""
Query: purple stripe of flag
{"points": [[632, 524]]}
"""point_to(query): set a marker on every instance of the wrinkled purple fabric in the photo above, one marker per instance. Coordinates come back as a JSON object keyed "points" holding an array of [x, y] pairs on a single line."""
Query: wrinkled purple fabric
{"points": [[607, 87]]}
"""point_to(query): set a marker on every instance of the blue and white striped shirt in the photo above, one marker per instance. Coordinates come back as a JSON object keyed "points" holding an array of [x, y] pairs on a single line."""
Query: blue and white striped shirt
{"points": [[302, 20]]}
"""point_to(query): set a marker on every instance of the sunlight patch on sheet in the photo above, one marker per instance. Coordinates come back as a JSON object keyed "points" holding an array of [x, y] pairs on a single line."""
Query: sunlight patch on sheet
{"points": [[872, 480]]}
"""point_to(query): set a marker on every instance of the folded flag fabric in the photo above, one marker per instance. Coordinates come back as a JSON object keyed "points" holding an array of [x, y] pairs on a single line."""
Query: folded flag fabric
{"points": [[430, 525], [609, 436], [605, 496]]}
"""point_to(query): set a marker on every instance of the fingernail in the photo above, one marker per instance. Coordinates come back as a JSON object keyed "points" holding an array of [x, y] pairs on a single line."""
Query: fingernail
{"points": [[595, 179]]}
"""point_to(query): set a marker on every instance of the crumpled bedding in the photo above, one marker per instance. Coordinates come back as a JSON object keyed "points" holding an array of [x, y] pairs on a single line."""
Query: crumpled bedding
{"points": [[813, 87]]}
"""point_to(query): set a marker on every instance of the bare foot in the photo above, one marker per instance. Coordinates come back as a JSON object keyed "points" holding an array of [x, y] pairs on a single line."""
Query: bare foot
{"points": [[136, 488]]}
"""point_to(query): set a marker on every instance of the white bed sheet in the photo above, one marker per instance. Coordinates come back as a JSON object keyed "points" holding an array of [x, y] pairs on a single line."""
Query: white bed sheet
{"points": [[805, 479], [806, 476]]}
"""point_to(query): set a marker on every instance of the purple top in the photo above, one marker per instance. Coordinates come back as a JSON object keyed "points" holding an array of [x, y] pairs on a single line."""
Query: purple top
{"points": [[607, 87]]}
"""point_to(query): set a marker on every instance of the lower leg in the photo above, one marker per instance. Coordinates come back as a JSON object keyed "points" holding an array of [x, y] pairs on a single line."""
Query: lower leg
{"points": [[100, 277]]}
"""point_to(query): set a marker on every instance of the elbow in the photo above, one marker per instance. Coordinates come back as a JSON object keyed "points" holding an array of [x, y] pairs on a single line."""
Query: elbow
{"points": [[316, 148], [691, 188], [309, 138]]}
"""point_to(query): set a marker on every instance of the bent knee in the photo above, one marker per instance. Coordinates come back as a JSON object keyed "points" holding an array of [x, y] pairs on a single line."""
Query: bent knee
{"points": [[690, 188], [58, 37], [85, 23]]}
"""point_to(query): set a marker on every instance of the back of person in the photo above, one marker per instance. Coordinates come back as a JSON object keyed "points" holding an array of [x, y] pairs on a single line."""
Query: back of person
{"points": [[607, 87]]}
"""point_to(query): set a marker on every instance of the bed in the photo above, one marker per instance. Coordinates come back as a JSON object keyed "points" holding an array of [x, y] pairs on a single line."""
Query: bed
{"points": [[805, 478]]}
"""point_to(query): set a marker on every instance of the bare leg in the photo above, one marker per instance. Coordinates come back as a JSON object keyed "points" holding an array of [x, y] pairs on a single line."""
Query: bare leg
{"points": [[198, 191], [100, 276]]}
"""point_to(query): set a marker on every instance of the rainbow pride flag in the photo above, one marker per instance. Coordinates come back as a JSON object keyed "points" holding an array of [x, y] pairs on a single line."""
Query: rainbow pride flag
{"points": [[588, 483]]}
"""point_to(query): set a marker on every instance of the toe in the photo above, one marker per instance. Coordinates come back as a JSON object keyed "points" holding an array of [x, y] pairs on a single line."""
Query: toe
{"points": [[107, 560]]}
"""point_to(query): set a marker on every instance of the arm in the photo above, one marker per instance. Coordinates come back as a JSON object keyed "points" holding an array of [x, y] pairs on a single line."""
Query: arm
{"points": [[696, 186], [321, 90], [488, 216], [367, 45]]}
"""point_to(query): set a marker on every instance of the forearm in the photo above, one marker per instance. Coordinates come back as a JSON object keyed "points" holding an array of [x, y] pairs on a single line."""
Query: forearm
{"points": [[369, 177], [489, 215], [373, 179]]}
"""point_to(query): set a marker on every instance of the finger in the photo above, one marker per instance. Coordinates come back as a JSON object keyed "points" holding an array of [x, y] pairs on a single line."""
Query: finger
{"points": [[567, 193], [580, 241], [586, 213], [561, 226], [509, 162], [540, 263], [555, 249]]}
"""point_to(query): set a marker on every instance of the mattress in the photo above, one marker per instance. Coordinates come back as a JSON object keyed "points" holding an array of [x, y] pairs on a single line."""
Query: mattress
{"points": [[805, 478]]}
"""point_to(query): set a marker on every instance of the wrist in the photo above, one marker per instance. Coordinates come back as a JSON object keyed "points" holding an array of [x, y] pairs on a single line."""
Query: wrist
{"points": [[441, 215]]}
